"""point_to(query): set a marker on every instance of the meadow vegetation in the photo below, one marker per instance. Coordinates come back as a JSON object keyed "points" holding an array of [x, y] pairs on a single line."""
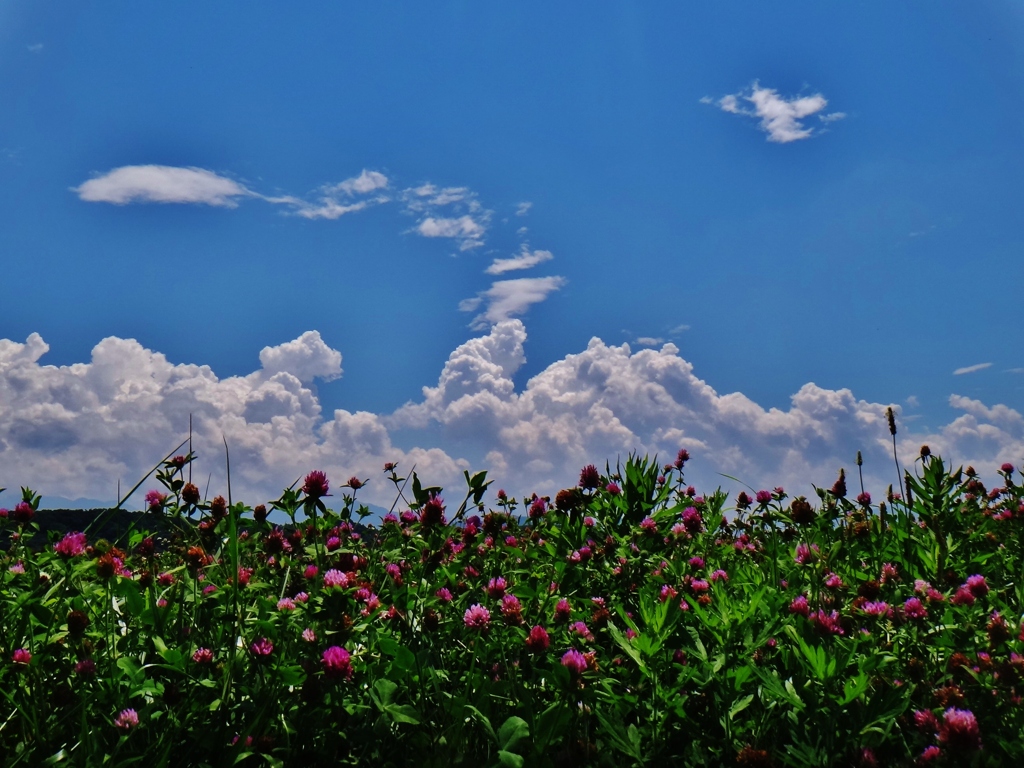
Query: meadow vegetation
{"points": [[630, 620]]}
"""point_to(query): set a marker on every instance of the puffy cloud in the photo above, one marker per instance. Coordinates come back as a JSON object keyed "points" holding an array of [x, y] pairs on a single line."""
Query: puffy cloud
{"points": [[308, 357], [367, 181], [508, 298], [971, 369], [74, 430], [778, 116], [161, 184], [607, 401], [524, 260], [466, 229], [523, 208]]}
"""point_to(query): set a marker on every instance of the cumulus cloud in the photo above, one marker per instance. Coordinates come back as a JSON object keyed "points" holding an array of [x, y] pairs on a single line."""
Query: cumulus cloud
{"points": [[509, 298], [971, 369], [466, 229], [307, 357], [74, 430], [162, 184], [365, 182], [778, 116], [607, 401], [523, 260]]}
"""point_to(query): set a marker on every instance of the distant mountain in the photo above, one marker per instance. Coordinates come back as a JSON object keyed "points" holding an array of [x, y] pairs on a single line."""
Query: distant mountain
{"points": [[133, 504], [60, 502]]}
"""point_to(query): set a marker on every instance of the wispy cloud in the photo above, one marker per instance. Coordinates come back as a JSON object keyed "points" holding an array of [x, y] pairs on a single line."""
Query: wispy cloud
{"points": [[524, 260], [199, 186], [523, 208], [448, 212], [778, 116], [971, 369], [510, 298], [335, 200], [35, 47]]}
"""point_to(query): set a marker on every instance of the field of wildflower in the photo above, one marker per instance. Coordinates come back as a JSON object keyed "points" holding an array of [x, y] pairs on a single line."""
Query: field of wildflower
{"points": [[629, 621]]}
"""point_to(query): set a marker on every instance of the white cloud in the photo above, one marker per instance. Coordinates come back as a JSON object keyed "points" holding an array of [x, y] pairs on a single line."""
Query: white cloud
{"points": [[74, 430], [308, 357], [328, 208], [448, 212], [35, 47], [913, 402], [678, 330], [170, 184], [524, 260], [607, 401], [649, 341], [971, 369], [365, 182], [335, 200], [464, 228], [779, 117], [161, 184], [523, 208], [510, 298]]}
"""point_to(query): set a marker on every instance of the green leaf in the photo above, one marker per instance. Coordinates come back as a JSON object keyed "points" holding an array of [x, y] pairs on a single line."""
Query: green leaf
{"points": [[291, 674], [131, 669], [739, 705], [549, 724], [481, 718], [383, 691], [129, 592], [627, 646], [853, 688], [403, 713], [512, 731], [509, 759], [405, 659]]}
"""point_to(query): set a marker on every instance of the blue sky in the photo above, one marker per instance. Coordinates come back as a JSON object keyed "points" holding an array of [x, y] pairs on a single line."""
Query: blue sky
{"points": [[462, 197]]}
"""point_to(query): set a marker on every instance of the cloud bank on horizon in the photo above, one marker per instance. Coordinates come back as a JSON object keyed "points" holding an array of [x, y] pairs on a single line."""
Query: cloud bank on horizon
{"points": [[75, 430]]}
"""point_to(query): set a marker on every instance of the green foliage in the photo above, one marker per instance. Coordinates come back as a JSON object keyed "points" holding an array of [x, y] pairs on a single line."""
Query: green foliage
{"points": [[636, 626]]}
